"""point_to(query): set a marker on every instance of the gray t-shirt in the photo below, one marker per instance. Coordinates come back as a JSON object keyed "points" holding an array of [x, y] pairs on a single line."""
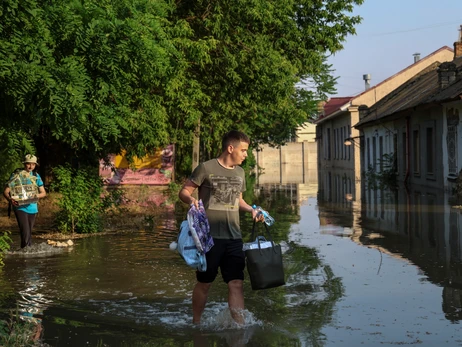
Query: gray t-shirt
{"points": [[219, 189]]}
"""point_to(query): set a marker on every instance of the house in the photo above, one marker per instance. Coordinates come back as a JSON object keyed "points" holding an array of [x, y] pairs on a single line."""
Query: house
{"points": [[334, 126], [417, 126], [306, 132]]}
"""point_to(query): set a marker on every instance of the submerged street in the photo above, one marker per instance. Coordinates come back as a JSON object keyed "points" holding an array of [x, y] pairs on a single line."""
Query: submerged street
{"points": [[354, 277]]}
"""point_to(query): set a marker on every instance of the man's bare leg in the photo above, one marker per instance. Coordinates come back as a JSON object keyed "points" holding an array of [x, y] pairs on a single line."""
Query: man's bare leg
{"points": [[199, 299], [236, 300]]}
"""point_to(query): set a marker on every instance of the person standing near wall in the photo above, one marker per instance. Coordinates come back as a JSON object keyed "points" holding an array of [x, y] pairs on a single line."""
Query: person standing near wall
{"points": [[26, 213], [221, 182]]}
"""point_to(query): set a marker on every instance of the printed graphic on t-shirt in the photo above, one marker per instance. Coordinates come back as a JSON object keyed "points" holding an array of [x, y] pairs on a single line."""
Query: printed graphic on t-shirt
{"points": [[225, 193]]}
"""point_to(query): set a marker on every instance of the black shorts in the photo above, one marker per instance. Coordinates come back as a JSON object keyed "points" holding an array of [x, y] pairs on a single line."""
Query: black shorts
{"points": [[226, 255]]}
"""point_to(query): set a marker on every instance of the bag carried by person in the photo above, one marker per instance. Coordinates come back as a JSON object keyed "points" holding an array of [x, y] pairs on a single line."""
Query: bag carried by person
{"points": [[264, 261], [194, 239], [188, 250]]}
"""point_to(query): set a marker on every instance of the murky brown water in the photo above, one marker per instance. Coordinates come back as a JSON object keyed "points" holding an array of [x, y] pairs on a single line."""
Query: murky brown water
{"points": [[384, 272]]}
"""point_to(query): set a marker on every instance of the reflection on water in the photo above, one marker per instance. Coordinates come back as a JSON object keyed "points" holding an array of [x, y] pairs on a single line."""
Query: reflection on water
{"points": [[362, 267], [130, 289], [422, 227], [416, 224], [32, 302]]}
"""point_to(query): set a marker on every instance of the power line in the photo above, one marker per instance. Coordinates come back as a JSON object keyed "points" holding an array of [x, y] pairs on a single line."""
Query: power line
{"points": [[416, 29]]}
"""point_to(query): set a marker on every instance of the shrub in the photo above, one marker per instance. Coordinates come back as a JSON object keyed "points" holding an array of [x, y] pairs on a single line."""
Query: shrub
{"points": [[82, 201], [17, 332]]}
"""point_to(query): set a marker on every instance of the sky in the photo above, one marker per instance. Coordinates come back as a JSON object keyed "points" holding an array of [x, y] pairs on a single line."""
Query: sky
{"points": [[390, 33]]}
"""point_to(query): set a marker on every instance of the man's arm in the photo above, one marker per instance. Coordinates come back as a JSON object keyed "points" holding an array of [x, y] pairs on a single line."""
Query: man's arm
{"points": [[243, 206], [186, 192]]}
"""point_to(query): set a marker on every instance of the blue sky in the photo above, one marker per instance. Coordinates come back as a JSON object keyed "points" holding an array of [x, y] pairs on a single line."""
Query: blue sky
{"points": [[390, 33]]}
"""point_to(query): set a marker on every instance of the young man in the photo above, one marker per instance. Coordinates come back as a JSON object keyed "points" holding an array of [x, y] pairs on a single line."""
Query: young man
{"points": [[25, 214], [221, 182]]}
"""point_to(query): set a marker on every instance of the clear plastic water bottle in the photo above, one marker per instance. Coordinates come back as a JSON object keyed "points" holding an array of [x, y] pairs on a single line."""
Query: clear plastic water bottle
{"points": [[268, 219]]}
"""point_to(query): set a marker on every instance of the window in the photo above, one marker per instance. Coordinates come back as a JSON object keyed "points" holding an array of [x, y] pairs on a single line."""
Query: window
{"points": [[374, 153], [335, 143], [343, 142], [368, 153], [395, 152], [328, 145], [405, 154], [430, 152], [381, 152], [339, 143], [349, 147], [416, 153], [451, 140]]}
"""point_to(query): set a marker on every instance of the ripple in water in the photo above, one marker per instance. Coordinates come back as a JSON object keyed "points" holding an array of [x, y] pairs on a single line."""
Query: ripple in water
{"points": [[216, 316]]}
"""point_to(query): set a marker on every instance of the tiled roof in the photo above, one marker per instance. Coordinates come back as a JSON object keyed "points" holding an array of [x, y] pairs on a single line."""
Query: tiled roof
{"points": [[334, 104], [422, 89]]}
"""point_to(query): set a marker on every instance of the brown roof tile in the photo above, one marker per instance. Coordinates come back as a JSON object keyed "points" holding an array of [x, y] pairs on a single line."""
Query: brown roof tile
{"points": [[334, 104]]}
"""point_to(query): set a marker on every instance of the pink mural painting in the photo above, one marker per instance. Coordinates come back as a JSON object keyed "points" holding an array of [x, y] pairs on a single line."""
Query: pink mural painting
{"points": [[155, 169]]}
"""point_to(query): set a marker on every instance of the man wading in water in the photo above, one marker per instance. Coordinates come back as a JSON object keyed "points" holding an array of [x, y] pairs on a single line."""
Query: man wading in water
{"points": [[221, 182]]}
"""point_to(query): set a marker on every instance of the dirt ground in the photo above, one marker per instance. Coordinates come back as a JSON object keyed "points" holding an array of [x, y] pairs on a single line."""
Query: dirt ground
{"points": [[141, 207]]}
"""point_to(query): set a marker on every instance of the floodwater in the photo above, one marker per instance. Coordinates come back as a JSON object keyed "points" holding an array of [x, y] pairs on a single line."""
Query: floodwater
{"points": [[362, 268]]}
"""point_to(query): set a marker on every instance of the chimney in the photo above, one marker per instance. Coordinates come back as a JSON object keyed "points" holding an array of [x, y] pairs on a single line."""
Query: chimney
{"points": [[367, 81], [416, 57], [446, 74], [458, 45]]}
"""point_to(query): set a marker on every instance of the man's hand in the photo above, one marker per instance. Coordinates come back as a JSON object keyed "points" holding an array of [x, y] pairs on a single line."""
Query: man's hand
{"points": [[194, 202], [14, 202], [257, 216]]}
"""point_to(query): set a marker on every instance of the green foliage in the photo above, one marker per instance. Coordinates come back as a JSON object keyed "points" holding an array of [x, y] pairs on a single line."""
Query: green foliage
{"points": [[16, 332], [83, 79], [172, 192], [250, 162], [80, 203], [5, 244], [87, 75], [262, 53], [113, 197], [14, 145], [387, 177]]}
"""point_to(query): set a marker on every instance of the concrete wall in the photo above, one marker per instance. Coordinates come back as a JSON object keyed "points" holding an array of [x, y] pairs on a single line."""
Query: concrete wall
{"points": [[295, 162]]}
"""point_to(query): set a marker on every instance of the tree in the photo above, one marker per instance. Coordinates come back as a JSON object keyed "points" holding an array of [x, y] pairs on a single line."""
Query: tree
{"points": [[263, 50], [85, 78]]}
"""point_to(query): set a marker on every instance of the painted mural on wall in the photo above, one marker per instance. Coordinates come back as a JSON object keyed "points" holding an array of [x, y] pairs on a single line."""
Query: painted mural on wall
{"points": [[155, 169]]}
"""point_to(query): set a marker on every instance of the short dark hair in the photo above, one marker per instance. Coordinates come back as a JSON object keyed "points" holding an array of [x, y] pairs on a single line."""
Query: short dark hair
{"points": [[234, 138]]}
